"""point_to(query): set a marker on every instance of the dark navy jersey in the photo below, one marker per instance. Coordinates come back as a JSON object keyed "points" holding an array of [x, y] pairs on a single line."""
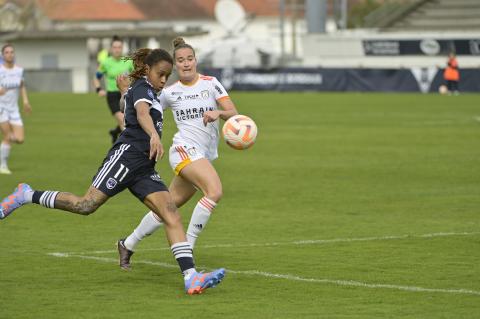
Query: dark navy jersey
{"points": [[140, 91]]}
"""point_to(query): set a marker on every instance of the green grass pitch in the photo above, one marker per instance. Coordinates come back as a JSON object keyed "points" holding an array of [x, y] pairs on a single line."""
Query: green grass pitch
{"points": [[348, 206]]}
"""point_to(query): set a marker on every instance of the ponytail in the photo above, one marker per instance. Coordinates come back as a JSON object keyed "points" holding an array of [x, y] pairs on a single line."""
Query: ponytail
{"points": [[179, 43]]}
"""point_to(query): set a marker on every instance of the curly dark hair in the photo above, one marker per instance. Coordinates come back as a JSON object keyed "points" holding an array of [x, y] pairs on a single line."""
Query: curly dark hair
{"points": [[145, 56]]}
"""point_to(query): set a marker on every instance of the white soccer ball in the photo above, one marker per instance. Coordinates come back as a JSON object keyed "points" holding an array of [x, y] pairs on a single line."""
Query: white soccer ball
{"points": [[240, 132]]}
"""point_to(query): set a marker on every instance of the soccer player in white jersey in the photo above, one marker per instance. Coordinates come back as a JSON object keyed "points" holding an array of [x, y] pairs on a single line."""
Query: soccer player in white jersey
{"points": [[197, 103], [11, 124]]}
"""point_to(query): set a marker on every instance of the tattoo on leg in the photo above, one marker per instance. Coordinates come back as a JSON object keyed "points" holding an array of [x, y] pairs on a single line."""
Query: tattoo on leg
{"points": [[171, 207], [77, 205]]}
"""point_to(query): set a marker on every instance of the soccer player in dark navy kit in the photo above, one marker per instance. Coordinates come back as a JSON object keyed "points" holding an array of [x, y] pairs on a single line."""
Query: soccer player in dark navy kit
{"points": [[130, 164]]}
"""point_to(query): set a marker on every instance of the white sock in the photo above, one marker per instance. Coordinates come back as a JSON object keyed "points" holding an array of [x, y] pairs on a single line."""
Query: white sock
{"points": [[188, 273], [28, 196], [4, 154], [199, 219], [149, 224]]}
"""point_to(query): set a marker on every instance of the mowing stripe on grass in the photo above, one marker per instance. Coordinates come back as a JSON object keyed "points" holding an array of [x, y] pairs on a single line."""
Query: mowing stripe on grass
{"points": [[348, 283], [305, 242]]}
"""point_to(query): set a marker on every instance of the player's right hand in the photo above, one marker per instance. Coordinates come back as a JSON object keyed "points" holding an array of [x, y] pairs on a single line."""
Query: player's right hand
{"points": [[2, 91], [102, 93], [156, 147], [27, 108]]}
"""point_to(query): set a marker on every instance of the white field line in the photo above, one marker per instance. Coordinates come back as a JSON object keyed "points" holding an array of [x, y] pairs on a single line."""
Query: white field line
{"points": [[348, 283], [304, 242]]}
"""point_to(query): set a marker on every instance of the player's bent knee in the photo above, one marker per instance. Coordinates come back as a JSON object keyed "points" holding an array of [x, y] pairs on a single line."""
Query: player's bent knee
{"points": [[215, 195], [16, 139]]}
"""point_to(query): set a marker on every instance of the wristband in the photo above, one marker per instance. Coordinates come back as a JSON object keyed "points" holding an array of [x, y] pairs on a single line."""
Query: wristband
{"points": [[98, 89]]}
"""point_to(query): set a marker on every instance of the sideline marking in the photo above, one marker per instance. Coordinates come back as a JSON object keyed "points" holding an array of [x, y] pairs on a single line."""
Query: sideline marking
{"points": [[303, 242], [348, 283]]}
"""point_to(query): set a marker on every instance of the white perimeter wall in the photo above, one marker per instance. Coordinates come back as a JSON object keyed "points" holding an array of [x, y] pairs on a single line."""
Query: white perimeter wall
{"points": [[345, 49], [71, 54]]}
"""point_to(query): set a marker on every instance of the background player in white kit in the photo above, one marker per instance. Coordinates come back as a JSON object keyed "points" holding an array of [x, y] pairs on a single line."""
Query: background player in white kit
{"points": [[194, 101], [11, 124]]}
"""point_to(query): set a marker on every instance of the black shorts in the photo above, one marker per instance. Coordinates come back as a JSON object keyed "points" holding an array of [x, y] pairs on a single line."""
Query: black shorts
{"points": [[113, 101], [452, 85], [126, 167]]}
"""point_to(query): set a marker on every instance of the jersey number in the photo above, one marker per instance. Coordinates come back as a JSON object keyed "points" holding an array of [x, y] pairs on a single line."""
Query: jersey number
{"points": [[120, 171]]}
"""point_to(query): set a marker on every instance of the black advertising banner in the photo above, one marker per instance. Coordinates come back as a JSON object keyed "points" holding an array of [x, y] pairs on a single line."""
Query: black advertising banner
{"points": [[381, 80], [429, 47], [286, 79], [341, 79]]}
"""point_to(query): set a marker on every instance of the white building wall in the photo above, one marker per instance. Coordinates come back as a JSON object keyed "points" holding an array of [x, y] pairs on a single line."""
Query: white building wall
{"points": [[263, 33], [94, 25], [80, 80], [70, 55]]}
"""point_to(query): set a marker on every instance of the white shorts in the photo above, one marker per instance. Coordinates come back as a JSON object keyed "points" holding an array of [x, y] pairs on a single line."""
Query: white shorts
{"points": [[182, 155], [11, 116]]}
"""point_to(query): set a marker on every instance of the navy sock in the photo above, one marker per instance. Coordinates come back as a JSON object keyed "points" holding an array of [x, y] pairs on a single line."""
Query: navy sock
{"points": [[45, 198], [184, 255]]}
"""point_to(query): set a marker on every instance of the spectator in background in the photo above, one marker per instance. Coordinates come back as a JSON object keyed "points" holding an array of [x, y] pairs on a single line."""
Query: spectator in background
{"points": [[451, 74]]}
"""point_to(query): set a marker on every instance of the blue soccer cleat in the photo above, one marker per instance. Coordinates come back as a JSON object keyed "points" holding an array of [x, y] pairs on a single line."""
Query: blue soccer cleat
{"points": [[198, 282], [14, 201]]}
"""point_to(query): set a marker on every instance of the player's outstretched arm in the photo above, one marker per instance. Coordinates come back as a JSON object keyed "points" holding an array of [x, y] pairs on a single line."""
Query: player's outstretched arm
{"points": [[228, 110]]}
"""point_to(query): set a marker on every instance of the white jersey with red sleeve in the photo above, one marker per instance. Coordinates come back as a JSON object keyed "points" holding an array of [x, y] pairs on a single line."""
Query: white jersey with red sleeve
{"points": [[188, 103]]}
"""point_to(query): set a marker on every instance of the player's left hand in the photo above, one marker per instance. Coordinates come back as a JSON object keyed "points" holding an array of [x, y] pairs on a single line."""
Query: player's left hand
{"points": [[27, 108], [2, 91], [210, 116], [123, 82]]}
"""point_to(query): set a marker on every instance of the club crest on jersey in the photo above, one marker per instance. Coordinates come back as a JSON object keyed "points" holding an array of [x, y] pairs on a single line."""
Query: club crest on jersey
{"points": [[159, 125], [111, 183], [150, 94], [205, 94]]}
